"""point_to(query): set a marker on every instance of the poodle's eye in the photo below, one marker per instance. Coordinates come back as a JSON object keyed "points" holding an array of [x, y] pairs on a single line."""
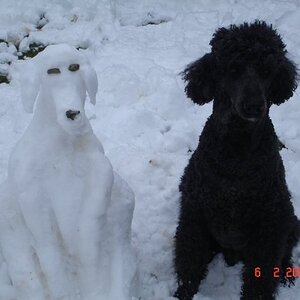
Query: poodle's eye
{"points": [[53, 71], [74, 67]]}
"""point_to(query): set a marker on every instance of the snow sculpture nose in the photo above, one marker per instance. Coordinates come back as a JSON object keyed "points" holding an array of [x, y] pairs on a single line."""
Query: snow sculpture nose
{"points": [[71, 114]]}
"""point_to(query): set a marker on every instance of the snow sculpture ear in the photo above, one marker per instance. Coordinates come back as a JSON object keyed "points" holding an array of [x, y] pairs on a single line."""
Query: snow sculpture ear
{"points": [[89, 76], [30, 85]]}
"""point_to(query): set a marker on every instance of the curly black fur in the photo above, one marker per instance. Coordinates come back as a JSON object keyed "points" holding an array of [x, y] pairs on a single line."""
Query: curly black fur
{"points": [[234, 197]]}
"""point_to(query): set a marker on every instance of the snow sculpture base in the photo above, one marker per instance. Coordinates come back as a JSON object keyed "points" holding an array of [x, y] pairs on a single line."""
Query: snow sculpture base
{"points": [[65, 225]]}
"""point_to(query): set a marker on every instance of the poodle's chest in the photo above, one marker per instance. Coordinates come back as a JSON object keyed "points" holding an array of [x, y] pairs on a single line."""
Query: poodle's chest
{"points": [[225, 213], [224, 204], [230, 199], [236, 180]]}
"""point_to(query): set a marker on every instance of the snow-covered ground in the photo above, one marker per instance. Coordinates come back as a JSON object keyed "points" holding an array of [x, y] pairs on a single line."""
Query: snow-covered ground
{"points": [[146, 124]]}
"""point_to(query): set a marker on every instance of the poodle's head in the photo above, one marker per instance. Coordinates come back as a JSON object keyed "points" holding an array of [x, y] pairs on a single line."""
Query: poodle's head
{"points": [[245, 73]]}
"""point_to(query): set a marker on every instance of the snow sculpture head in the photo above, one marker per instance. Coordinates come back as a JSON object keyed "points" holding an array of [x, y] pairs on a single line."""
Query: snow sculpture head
{"points": [[58, 78]]}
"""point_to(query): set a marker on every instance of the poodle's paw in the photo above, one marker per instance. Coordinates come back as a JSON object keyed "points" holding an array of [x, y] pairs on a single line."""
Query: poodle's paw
{"points": [[258, 297], [287, 281], [184, 293]]}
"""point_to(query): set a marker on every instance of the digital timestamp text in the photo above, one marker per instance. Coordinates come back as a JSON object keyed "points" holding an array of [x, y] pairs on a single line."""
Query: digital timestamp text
{"points": [[290, 272]]}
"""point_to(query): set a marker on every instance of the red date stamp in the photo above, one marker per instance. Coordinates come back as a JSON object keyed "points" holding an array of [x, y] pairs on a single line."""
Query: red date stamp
{"points": [[290, 272]]}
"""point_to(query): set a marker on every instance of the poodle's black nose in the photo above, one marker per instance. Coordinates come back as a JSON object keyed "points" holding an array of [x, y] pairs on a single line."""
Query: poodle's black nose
{"points": [[71, 114], [254, 109]]}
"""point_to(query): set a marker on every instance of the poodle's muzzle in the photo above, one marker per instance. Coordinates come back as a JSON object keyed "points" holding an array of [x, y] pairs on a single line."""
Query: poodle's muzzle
{"points": [[248, 97], [252, 109]]}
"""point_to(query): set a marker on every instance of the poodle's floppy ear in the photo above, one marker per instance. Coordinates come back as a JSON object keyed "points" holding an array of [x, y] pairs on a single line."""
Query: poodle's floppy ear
{"points": [[284, 83], [199, 76], [30, 85], [89, 76]]}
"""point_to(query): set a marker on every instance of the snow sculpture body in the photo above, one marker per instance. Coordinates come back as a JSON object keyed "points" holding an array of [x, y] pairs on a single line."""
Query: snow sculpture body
{"points": [[65, 222]]}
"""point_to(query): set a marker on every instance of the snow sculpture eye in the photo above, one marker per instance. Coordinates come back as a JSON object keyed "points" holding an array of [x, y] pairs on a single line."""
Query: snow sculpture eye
{"points": [[53, 71], [74, 67]]}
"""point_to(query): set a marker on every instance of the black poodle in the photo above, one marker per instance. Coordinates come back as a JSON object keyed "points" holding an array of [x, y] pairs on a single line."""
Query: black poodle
{"points": [[234, 197]]}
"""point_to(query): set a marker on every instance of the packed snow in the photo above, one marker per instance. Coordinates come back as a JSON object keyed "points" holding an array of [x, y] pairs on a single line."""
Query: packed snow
{"points": [[146, 124]]}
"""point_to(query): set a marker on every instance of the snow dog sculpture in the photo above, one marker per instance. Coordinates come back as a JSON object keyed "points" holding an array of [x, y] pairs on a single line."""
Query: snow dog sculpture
{"points": [[65, 225]]}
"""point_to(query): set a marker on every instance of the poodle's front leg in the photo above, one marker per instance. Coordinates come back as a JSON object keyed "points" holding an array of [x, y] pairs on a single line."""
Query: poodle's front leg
{"points": [[261, 273], [287, 261], [193, 252], [262, 287]]}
